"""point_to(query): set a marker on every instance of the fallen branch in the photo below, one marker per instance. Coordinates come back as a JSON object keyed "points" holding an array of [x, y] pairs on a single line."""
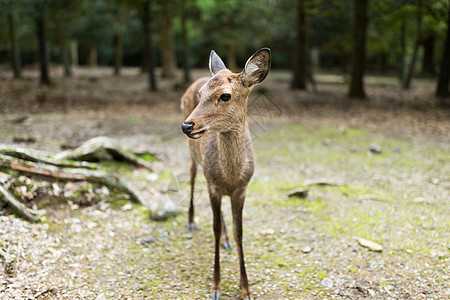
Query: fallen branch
{"points": [[63, 173], [17, 207], [96, 147], [35, 156]]}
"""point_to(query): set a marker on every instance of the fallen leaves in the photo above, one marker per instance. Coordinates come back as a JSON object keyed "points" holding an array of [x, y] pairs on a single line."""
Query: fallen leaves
{"points": [[371, 245]]}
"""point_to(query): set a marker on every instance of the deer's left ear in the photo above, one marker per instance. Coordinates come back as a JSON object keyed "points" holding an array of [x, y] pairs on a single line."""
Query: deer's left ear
{"points": [[215, 63], [256, 68]]}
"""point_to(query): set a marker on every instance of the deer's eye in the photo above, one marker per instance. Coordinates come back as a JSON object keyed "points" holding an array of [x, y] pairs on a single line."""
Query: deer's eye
{"points": [[225, 97]]}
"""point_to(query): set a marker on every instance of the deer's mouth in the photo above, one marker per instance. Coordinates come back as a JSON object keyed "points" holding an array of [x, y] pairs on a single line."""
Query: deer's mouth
{"points": [[197, 135]]}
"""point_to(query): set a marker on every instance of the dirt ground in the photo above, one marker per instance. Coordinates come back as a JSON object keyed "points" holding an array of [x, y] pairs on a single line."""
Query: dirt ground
{"points": [[294, 248]]}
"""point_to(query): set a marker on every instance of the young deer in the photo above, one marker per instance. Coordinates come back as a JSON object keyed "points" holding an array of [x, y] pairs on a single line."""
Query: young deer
{"points": [[215, 110]]}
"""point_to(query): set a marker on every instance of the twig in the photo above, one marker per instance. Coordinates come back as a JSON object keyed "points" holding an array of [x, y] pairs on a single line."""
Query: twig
{"points": [[62, 173], [18, 208]]}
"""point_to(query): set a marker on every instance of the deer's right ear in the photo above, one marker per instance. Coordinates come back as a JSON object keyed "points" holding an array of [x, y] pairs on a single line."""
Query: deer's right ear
{"points": [[215, 63], [256, 68]]}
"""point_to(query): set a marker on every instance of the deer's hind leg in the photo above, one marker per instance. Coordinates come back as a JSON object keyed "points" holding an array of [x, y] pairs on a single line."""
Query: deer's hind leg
{"points": [[191, 222], [225, 240]]}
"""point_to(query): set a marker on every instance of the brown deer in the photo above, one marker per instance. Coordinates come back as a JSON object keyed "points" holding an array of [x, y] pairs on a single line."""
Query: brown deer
{"points": [[215, 111]]}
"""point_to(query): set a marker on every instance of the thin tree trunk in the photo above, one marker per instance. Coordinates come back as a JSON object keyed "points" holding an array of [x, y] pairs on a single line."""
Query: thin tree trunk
{"points": [[428, 56], [118, 41], [63, 50], [185, 42], [169, 63], [359, 49], [43, 48], [301, 50], [93, 56], [231, 56], [15, 52], [401, 71], [74, 53], [442, 88], [148, 47], [412, 65]]}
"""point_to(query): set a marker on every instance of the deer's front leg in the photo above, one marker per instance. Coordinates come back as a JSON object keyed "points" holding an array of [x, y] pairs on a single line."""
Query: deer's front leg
{"points": [[216, 200], [237, 206], [191, 223]]}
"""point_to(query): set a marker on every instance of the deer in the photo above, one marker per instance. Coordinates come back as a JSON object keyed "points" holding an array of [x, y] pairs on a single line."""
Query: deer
{"points": [[215, 112]]}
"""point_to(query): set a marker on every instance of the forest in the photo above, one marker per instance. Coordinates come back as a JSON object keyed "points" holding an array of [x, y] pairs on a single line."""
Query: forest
{"points": [[348, 114], [406, 39]]}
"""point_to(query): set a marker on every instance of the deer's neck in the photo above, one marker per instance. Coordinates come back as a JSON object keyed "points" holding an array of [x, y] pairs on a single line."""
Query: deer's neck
{"points": [[232, 154]]}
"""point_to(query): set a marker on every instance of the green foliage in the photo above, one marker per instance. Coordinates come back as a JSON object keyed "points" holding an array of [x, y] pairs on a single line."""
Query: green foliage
{"points": [[231, 27]]}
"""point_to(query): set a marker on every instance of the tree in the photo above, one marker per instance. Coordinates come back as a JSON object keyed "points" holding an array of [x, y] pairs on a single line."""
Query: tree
{"points": [[41, 32], [409, 74], [185, 41], [15, 52], [442, 88], [169, 60], [301, 49], [118, 37], [359, 49], [146, 17], [11, 8]]}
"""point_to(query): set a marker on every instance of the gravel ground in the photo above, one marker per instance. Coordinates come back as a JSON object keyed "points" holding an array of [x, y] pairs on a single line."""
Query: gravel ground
{"points": [[295, 248]]}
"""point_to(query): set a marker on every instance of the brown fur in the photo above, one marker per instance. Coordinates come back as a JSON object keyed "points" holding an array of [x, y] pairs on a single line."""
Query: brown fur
{"points": [[225, 149]]}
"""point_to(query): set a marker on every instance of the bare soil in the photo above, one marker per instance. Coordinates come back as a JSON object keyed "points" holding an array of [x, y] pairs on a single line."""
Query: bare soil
{"points": [[294, 248]]}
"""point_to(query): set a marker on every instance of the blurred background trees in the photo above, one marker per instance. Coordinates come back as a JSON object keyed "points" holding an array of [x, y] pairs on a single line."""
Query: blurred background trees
{"points": [[402, 38]]}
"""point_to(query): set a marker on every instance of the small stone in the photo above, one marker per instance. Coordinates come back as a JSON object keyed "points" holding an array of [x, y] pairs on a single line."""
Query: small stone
{"points": [[327, 282], [152, 177], [127, 206], [268, 231], [433, 253], [307, 249], [301, 193], [148, 240], [435, 180], [164, 209], [397, 149], [374, 148]]}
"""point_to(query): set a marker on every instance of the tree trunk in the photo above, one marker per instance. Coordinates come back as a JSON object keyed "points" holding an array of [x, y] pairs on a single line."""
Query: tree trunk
{"points": [[401, 69], [74, 52], [412, 65], [428, 56], [231, 56], [301, 50], [63, 50], [359, 49], [148, 57], [169, 63], [15, 52], [442, 88], [118, 40], [185, 43], [93, 56], [43, 48]]}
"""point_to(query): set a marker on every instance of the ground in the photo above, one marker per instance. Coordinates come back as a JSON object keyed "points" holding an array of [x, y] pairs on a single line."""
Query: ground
{"points": [[294, 248]]}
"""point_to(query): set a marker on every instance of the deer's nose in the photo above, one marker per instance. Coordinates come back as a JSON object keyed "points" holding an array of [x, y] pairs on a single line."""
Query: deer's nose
{"points": [[187, 127]]}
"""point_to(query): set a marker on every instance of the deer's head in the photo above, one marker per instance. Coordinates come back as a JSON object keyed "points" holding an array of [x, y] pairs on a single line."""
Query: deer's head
{"points": [[224, 97]]}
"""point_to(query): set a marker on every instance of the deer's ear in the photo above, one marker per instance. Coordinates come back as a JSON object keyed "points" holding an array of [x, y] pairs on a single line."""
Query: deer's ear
{"points": [[256, 68], [215, 63]]}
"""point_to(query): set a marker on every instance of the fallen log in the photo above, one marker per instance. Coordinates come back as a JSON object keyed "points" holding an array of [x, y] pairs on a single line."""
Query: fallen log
{"points": [[63, 173], [17, 207], [36, 156], [97, 147]]}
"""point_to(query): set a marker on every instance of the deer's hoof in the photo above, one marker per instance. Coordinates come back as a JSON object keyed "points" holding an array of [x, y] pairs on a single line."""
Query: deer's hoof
{"points": [[191, 227], [227, 246], [215, 295], [247, 298]]}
